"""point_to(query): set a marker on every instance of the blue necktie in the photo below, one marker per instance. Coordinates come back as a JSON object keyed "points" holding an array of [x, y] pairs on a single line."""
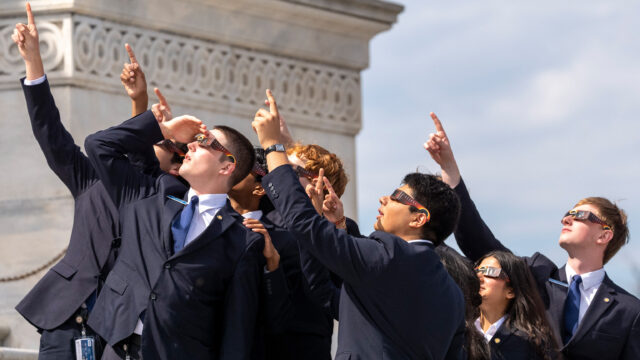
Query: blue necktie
{"points": [[180, 226], [572, 308]]}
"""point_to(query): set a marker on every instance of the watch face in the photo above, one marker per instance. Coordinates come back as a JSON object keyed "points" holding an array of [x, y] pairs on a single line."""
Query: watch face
{"points": [[280, 147]]}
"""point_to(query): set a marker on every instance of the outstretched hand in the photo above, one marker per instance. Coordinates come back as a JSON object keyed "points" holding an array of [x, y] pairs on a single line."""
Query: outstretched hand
{"points": [[161, 110], [26, 38], [183, 128], [132, 77], [439, 148], [267, 123], [270, 253]]}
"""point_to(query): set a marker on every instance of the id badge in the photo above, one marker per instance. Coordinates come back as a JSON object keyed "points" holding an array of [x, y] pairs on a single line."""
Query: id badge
{"points": [[85, 348]]}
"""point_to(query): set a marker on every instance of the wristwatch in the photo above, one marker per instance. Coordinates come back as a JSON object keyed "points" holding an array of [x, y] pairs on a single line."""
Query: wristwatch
{"points": [[275, 147]]}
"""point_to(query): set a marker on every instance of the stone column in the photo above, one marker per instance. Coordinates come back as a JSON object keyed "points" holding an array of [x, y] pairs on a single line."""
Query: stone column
{"points": [[211, 58]]}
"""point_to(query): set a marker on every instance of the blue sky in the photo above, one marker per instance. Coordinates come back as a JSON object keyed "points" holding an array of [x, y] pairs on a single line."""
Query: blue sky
{"points": [[540, 101]]}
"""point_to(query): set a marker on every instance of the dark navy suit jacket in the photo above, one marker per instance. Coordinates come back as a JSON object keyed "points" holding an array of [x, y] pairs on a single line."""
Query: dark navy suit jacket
{"points": [[511, 344], [610, 328], [200, 303], [397, 300], [95, 235]]}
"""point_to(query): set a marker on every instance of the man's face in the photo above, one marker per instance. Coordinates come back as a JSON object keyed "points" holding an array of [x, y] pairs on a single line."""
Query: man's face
{"points": [[164, 159], [580, 233], [394, 217], [203, 163]]}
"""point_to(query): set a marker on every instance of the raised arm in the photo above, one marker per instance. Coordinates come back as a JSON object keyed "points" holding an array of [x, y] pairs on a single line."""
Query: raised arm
{"points": [[63, 156], [107, 151], [473, 236], [351, 258]]}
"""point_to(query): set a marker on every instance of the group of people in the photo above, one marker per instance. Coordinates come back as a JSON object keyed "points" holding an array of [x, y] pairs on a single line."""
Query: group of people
{"points": [[191, 243]]}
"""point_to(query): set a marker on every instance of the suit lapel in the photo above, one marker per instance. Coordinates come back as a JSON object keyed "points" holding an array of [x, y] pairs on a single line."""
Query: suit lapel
{"points": [[171, 209], [557, 296], [501, 336], [604, 298], [220, 223]]}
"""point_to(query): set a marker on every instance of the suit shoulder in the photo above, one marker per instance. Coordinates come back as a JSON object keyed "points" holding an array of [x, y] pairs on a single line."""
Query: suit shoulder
{"points": [[624, 297]]}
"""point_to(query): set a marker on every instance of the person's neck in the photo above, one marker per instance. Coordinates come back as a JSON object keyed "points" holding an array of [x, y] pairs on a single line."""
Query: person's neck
{"points": [[208, 189], [244, 205], [585, 263], [489, 317]]}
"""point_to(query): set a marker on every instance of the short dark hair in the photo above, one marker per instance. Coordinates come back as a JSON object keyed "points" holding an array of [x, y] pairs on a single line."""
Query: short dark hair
{"points": [[261, 162], [441, 201], [241, 149]]}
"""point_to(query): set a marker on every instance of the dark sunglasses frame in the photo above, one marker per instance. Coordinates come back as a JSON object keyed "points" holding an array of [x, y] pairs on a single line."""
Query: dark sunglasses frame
{"points": [[492, 272], [404, 198], [213, 143], [587, 215], [302, 172]]}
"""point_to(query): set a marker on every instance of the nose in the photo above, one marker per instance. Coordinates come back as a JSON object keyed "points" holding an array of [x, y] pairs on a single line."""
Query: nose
{"points": [[191, 146], [383, 200], [567, 220]]}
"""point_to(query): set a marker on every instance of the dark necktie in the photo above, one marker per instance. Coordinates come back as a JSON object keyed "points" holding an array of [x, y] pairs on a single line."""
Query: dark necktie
{"points": [[572, 308], [180, 226]]}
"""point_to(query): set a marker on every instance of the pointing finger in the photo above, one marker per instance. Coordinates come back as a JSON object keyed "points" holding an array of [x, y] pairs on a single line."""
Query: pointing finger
{"points": [[30, 15], [272, 103], [132, 56], [161, 97], [437, 123], [327, 183]]}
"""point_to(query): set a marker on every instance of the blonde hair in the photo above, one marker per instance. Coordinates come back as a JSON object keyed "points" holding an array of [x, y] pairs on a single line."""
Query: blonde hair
{"points": [[615, 217]]}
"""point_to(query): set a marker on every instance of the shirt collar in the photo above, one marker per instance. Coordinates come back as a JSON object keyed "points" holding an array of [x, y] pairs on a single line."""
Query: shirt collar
{"points": [[589, 279], [208, 202], [493, 328], [420, 241], [257, 215]]}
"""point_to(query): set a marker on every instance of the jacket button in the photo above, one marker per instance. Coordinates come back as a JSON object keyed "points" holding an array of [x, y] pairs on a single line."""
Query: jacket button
{"points": [[167, 266], [153, 296]]}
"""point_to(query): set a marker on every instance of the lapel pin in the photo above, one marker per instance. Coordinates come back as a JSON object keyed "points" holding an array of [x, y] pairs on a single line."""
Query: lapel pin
{"points": [[606, 300], [496, 340], [219, 217], [177, 200]]}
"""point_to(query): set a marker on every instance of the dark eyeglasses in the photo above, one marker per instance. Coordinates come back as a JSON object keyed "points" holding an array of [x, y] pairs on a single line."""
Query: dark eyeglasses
{"points": [[258, 170], [492, 272], [213, 143], [404, 198], [587, 215], [302, 172], [178, 153]]}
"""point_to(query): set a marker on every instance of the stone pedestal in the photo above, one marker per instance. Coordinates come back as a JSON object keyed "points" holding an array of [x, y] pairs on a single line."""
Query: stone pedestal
{"points": [[212, 59]]}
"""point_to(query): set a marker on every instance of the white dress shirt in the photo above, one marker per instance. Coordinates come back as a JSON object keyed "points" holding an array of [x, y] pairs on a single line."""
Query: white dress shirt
{"points": [[590, 283], [491, 331], [208, 206], [256, 215], [37, 81]]}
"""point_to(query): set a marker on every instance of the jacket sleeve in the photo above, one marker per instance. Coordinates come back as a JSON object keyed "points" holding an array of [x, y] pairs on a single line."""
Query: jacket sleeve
{"points": [[632, 348], [242, 304], [108, 149], [63, 156], [473, 236], [353, 259], [320, 287]]}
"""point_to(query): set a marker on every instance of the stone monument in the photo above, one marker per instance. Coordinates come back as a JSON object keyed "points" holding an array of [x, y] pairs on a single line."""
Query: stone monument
{"points": [[211, 58]]}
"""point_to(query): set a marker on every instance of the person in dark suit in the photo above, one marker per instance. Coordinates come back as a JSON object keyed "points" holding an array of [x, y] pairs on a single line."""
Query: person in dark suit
{"points": [[59, 304], [294, 326], [591, 316], [187, 281], [512, 317], [397, 301]]}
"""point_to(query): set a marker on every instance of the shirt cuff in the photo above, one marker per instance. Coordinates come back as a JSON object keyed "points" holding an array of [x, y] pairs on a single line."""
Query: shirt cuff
{"points": [[37, 81]]}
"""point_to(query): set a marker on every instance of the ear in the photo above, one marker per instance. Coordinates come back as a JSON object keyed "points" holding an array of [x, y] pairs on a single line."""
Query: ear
{"points": [[510, 293], [227, 169], [258, 191], [418, 219], [604, 237]]}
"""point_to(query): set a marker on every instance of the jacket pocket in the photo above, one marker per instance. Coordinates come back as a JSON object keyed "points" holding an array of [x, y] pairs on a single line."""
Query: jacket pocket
{"points": [[65, 270], [116, 283]]}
